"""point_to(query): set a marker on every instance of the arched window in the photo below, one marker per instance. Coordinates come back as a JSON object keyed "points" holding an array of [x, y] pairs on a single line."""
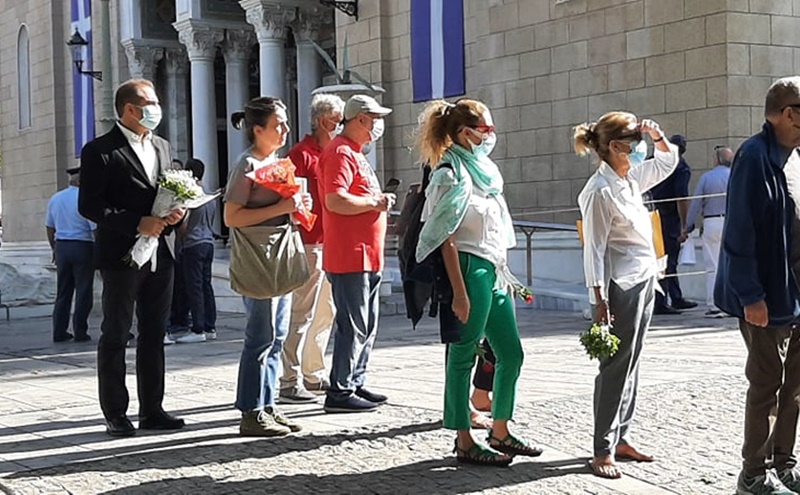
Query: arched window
{"points": [[24, 77]]}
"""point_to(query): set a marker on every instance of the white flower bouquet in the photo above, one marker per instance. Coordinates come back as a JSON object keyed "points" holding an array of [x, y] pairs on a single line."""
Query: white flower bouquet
{"points": [[176, 189]]}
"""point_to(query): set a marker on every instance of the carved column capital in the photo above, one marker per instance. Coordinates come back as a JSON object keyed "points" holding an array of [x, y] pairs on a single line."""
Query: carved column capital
{"points": [[308, 23], [269, 20], [238, 44], [142, 59], [177, 62], [200, 41]]}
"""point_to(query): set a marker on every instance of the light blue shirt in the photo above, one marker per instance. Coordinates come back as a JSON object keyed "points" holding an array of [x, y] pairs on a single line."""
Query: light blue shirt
{"points": [[63, 216], [715, 181]]}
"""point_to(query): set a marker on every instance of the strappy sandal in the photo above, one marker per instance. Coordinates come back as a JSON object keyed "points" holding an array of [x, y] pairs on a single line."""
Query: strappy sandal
{"points": [[480, 455], [512, 445]]}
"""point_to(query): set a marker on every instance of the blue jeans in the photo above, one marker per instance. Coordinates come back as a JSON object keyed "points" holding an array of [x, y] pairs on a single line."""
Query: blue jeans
{"points": [[196, 261], [267, 326], [355, 296], [75, 274]]}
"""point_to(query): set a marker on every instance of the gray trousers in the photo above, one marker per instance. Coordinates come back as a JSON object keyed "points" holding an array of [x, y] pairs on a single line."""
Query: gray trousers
{"points": [[773, 397], [617, 383]]}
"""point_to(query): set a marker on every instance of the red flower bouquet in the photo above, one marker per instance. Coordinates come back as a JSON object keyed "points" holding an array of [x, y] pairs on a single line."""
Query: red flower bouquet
{"points": [[279, 177]]}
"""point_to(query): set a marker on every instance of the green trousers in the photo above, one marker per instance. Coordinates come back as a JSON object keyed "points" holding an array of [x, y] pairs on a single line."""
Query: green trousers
{"points": [[491, 314]]}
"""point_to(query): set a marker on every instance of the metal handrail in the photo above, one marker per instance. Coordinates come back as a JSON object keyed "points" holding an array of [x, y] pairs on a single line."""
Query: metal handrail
{"points": [[526, 227]]}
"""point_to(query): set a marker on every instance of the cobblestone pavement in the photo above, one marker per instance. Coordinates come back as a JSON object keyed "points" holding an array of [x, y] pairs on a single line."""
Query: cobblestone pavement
{"points": [[690, 415]]}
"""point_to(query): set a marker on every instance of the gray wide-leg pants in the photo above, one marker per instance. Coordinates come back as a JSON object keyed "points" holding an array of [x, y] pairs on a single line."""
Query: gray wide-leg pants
{"points": [[617, 382]]}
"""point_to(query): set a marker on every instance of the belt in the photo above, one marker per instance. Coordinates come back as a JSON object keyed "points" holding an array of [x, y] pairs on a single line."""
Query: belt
{"points": [[715, 216]]}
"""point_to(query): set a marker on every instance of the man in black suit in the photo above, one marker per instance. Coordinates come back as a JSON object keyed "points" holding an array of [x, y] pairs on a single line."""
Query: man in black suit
{"points": [[119, 173]]}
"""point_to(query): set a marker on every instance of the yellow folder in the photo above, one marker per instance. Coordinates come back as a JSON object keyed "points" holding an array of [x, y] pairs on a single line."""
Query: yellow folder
{"points": [[658, 237]]}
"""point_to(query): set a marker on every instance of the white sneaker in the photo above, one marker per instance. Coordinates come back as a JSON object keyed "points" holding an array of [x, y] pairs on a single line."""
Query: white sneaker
{"points": [[168, 339], [191, 338], [211, 335]]}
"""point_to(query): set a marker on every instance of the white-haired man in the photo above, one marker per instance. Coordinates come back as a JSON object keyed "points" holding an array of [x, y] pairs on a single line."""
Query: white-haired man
{"points": [[312, 306]]}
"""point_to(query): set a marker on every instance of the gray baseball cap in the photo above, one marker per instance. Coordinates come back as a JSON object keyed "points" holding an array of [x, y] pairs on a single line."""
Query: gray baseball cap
{"points": [[363, 104]]}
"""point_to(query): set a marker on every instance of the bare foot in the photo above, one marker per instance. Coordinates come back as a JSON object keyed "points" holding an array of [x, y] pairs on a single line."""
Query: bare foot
{"points": [[480, 421], [481, 401], [626, 451], [604, 467]]}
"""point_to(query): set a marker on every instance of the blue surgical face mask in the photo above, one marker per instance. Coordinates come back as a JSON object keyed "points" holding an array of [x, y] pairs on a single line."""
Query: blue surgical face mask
{"points": [[637, 154], [151, 116]]}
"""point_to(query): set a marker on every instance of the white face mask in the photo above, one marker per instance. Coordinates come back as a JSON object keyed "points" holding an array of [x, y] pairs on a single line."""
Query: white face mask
{"points": [[378, 126], [151, 116], [336, 130], [487, 144]]}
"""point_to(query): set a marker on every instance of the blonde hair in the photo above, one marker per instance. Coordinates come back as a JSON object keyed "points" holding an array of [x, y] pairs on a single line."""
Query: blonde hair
{"points": [[439, 124], [597, 136]]}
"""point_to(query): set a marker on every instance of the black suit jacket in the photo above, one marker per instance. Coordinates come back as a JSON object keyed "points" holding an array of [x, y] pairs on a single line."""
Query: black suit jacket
{"points": [[116, 193]]}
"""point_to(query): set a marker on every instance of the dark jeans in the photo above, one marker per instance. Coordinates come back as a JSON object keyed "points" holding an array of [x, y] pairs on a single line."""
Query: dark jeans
{"points": [[773, 397], [75, 273], [179, 310], [670, 285], [196, 261], [151, 293], [355, 296]]}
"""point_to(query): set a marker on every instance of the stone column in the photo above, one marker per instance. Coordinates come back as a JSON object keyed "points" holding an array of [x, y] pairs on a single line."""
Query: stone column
{"points": [[176, 112], [201, 44], [309, 71], [270, 22], [142, 59], [236, 50]]}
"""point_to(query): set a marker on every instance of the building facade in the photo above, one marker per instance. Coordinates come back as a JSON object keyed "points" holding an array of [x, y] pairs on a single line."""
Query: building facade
{"points": [[207, 58], [699, 67]]}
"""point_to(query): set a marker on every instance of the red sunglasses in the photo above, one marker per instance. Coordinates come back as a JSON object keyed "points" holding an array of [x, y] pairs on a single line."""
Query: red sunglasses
{"points": [[484, 129]]}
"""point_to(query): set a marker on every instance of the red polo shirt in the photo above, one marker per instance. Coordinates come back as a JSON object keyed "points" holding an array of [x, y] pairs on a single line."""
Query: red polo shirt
{"points": [[353, 243], [305, 156]]}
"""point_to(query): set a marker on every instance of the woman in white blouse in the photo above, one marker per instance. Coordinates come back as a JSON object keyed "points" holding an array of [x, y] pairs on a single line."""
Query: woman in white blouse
{"points": [[621, 267]]}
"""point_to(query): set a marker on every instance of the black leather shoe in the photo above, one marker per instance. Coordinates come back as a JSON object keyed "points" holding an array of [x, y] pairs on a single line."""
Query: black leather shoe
{"points": [[371, 396], [665, 310], [684, 304], [160, 421], [64, 338], [120, 426], [83, 338]]}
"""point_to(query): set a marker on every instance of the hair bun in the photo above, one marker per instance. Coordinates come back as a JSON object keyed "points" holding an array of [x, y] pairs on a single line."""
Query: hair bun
{"points": [[237, 120]]}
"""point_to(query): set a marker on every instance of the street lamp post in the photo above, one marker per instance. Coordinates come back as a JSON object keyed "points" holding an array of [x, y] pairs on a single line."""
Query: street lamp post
{"points": [[78, 44]]}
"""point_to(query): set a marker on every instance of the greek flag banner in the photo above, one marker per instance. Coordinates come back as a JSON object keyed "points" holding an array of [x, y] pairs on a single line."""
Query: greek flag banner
{"points": [[437, 48], [82, 85]]}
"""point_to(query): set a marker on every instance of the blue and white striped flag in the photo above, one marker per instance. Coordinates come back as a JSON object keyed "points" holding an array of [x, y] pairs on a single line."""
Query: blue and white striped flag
{"points": [[437, 48], [82, 85]]}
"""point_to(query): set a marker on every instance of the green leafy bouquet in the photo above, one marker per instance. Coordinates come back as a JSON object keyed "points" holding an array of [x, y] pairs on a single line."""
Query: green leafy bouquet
{"points": [[599, 342]]}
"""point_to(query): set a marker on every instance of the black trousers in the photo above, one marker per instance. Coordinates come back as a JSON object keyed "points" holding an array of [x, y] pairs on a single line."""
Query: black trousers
{"points": [[670, 285], [75, 274], [151, 294], [484, 372]]}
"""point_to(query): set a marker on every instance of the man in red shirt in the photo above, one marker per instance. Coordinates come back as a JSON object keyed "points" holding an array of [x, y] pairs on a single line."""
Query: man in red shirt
{"points": [[312, 303], [354, 215]]}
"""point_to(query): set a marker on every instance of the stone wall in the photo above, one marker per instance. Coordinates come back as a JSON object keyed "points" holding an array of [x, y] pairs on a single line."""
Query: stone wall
{"points": [[33, 157], [699, 67]]}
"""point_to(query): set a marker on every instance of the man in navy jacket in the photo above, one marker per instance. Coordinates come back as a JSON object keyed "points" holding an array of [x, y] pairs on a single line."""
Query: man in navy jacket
{"points": [[756, 283]]}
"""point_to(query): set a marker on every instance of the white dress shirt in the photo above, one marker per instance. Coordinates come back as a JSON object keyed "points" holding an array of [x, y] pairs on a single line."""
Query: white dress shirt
{"points": [[144, 149], [617, 231]]}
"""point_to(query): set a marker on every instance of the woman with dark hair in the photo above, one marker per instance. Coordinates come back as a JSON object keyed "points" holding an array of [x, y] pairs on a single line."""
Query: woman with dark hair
{"points": [[248, 204], [620, 266], [467, 219]]}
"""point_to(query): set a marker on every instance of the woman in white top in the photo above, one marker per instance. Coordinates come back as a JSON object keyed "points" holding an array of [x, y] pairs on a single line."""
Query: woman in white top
{"points": [[620, 265], [467, 219]]}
